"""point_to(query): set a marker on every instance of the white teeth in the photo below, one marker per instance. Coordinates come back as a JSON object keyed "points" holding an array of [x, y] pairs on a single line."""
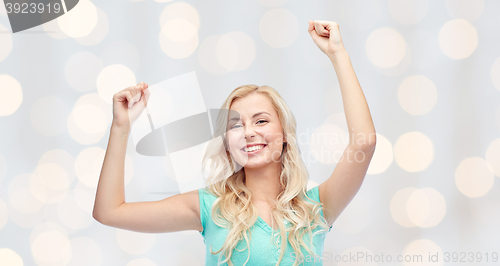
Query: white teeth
{"points": [[253, 148]]}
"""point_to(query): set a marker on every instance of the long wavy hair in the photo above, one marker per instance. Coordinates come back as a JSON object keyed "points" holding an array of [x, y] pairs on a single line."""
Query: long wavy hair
{"points": [[233, 208]]}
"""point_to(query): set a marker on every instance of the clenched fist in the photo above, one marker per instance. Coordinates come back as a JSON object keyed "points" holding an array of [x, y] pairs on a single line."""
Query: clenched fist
{"points": [[326, 35], [128, 104]]}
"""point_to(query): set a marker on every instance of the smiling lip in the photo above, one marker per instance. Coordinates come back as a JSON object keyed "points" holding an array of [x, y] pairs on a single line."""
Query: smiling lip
{"points": [[255, 151]]}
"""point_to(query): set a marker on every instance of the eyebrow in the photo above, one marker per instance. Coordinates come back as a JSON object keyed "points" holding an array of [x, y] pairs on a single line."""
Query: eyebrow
{"points": [[256, 114]]}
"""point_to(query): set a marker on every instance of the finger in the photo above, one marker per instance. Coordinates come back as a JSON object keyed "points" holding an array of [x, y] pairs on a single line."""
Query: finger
{"points": [[129, 97], [320, 28], [147, 94], [312, 31], [311, 26]]}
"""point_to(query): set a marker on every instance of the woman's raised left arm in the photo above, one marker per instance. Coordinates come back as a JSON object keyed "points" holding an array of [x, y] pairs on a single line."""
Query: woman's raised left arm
{"points": [[344, 183]]}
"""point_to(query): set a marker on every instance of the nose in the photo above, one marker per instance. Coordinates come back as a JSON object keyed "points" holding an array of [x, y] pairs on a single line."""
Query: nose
{"points": [[249, 132]]}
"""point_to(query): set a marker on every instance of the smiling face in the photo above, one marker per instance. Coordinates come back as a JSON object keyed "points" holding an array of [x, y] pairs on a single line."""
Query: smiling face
{"points": [[254, 122]]}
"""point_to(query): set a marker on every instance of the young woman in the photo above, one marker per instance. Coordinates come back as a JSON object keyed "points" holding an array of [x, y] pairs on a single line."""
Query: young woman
{"points": [[257, 194]]}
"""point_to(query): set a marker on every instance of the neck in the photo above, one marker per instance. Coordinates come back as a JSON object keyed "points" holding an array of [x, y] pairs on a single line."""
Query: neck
{"points": [[264, 182]]}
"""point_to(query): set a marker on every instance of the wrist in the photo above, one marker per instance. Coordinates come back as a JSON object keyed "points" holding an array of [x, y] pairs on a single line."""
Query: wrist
{"points": [[124, 129], [340, 54]]}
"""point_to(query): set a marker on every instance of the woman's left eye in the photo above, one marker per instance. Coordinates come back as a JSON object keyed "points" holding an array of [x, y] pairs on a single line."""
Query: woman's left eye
{"points": [[261, 121]]}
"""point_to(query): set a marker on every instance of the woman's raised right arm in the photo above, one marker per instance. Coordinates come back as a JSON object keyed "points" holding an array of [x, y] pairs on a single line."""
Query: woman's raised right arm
{"points": [[176, 213]]}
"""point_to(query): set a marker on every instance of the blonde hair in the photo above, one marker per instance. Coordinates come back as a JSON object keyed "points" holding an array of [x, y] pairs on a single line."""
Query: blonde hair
{"points": [[233, 208]]}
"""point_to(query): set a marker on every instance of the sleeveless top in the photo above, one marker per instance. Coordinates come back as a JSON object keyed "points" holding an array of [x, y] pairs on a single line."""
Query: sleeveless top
{"points": [[262, 250]]}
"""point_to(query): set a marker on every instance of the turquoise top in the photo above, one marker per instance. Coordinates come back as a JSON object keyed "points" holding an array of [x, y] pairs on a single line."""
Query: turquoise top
{"points": [[262, 251]]}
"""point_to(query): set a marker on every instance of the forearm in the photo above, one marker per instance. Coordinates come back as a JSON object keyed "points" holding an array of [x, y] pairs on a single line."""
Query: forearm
{"points": [[111, 189], [359, 120]]}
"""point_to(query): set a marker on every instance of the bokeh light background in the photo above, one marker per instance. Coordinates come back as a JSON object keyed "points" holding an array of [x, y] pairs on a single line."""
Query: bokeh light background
{"points": [[430, 71]]}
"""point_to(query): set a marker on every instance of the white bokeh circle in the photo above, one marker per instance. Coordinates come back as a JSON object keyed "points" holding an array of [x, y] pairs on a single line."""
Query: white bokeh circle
{"points": [[112, 79], [474, 177], [417, 95], [279, 28], [414, 151], [458, 39], [80, 21], [385, 47], [382, 157], [12, 94]]}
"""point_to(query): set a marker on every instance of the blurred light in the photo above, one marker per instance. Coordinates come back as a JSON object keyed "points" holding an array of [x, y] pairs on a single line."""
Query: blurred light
{"points": [[53, 30], [279, 28], [12, 94], [465, 9], [474, 177], [493, 156], [417, 95], [134, 242], [10, 257], [426, 207], [27, 220], [49, 115], [385, 47], [5, 42], [83, 131], [88, 166], [123, 53], [383, 156], [85, 197], [235, 51], [402, 66], [208, 57], [399, 209], [413, 151], [50, 183], [71, 215], [437, 208], [112, 79], [180, 10], [458, 39], [51, 247], [21, 196], [408, 12], [90, 118], [99, 32], [85, 251], [80, 21], [418, 252], [178, 38]]}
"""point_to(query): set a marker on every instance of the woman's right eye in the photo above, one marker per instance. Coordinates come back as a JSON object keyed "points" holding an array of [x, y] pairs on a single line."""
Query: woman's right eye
{"points": [[235, 126]]}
